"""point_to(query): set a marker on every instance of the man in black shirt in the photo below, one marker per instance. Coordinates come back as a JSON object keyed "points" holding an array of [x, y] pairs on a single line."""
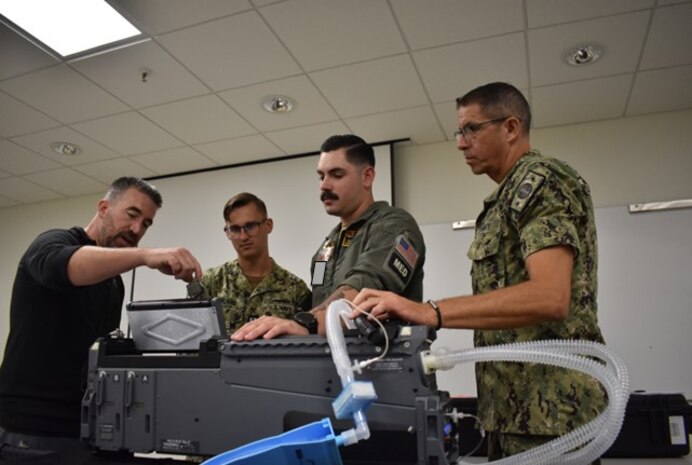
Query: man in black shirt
{"points": [[68, 292]]}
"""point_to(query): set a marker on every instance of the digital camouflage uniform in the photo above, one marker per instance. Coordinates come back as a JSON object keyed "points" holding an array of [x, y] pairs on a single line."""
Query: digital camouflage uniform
{"points": [[542, 202], [280, 293], [383, 249]]}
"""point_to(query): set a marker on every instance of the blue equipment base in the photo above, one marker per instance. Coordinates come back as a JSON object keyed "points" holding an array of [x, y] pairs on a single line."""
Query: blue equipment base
{"points": [[313, 443]]}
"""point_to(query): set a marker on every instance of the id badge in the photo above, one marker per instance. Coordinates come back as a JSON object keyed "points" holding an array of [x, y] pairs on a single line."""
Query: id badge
{"points": [[318, 273]]}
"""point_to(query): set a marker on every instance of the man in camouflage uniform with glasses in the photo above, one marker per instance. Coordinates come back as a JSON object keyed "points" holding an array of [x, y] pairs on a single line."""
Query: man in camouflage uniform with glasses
{"points": [[252, 285], [534, 276]]}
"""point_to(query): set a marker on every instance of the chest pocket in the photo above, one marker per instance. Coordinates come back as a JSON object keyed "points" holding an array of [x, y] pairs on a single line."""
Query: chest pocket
{"points": [[487, 270]]}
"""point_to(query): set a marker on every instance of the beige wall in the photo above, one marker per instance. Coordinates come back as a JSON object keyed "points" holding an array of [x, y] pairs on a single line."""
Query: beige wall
{"points": [[627, 160]]}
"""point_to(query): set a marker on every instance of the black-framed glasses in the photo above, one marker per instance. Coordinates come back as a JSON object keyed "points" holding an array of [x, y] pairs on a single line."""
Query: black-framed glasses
{"points": [[250, 229], [469, 131]]}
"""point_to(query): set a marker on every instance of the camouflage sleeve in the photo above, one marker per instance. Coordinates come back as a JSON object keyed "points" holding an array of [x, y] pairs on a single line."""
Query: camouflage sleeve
{"points": [[210, 282], [304, 302], [545, 209]]}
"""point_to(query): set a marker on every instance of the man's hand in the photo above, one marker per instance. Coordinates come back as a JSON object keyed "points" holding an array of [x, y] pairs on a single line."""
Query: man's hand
{"points": [[268, 327], [178, 262], [385, 304]]}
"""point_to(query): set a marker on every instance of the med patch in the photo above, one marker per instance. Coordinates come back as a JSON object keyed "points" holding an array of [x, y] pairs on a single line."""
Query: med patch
{"points": [[400, 268], [527, 187], [402, 260]]}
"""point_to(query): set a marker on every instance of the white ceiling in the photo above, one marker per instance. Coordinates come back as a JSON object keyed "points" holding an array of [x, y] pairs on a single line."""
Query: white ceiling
{"points": [[383, 69]]}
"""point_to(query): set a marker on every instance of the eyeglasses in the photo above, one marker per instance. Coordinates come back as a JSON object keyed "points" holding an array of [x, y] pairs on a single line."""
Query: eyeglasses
{"points": [[469, 131], [250, 229]]}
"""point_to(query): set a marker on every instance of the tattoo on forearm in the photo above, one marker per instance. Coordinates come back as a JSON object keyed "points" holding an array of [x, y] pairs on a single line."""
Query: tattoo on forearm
{"points": [[338, 294]]}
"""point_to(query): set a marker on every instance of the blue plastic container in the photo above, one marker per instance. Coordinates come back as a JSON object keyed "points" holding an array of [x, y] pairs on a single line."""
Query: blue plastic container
{"points": [[312, 443]]}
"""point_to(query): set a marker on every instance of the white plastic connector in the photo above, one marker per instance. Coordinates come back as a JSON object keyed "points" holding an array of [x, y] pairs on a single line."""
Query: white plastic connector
{"points": [[435, 361]]}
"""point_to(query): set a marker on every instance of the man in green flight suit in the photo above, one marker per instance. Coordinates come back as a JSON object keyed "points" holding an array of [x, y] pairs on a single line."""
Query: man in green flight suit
{"points": [[252, 285], [374, 245], [534, 276]]}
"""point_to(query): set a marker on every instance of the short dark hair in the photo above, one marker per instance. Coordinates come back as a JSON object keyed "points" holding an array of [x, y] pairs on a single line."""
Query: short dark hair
{"points": [[242, 199], [497, 100], [358, 152], [122, 184]]}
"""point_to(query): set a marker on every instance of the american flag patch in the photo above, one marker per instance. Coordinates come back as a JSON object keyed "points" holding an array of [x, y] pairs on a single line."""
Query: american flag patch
{"points": [[406, 251]]}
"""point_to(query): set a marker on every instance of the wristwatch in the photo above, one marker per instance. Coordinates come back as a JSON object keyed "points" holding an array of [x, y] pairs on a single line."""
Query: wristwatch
{"points": [[307, 320]]}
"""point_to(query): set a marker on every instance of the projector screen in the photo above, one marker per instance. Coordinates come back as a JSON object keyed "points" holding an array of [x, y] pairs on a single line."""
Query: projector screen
{"points": [[192, 217]]}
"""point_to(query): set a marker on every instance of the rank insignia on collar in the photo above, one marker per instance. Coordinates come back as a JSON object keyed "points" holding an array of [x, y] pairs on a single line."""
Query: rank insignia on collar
{"points": [[348, 237]]}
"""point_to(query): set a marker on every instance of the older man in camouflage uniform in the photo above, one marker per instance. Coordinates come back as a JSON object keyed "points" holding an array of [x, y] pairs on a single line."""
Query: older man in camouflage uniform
{"points": [[534, 276], [252, 285]]}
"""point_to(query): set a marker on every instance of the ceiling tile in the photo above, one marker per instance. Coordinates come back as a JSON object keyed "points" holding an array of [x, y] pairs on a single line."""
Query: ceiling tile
{"points": [[19, 56], [670, 26], [447, 115], [310, 106], [240, 150], [18, 118], [67, 181], [245, 51], [418, 124], [173, 161], [353, 33], [587, 101], [661, 90], [450, 71], [199, 119], [58, 99], [120, 73], [5, 202], [158, 16], [128, 134], [351, 93], [264, 2], [18, 160], [547, 12], [23, 191], [40, 142], [620, 36], [306, 139], [109, 170], [379, 68], [450, 21]]}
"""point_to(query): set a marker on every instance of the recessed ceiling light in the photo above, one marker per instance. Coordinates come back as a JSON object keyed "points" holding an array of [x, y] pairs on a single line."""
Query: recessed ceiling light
{"points": [[278, 104], [65, 148], [68, 27], [583, 54]]}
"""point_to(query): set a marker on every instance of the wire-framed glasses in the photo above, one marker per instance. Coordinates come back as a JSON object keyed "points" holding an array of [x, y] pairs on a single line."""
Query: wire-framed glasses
{"points": [[469, 131]]}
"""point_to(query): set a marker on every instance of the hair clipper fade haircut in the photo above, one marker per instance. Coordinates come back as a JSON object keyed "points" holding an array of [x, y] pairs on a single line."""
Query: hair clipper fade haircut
{"points": [[124, 183], [242, 199], [358, 152], [499, 99]]}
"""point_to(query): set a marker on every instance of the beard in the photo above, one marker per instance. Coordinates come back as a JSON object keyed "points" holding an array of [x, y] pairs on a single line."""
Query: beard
{"points": [[110, 237]]}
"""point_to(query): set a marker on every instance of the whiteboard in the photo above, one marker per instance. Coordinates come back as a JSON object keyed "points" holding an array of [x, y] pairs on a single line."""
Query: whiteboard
{"points": [[644, 294], [192, 217]]}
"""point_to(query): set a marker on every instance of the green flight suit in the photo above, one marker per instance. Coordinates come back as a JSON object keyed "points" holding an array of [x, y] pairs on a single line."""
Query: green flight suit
{"points": [[383, 249]]}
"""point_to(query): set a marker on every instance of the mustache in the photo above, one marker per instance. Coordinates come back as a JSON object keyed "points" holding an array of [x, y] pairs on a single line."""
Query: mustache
{"points": [[328, 195]]}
